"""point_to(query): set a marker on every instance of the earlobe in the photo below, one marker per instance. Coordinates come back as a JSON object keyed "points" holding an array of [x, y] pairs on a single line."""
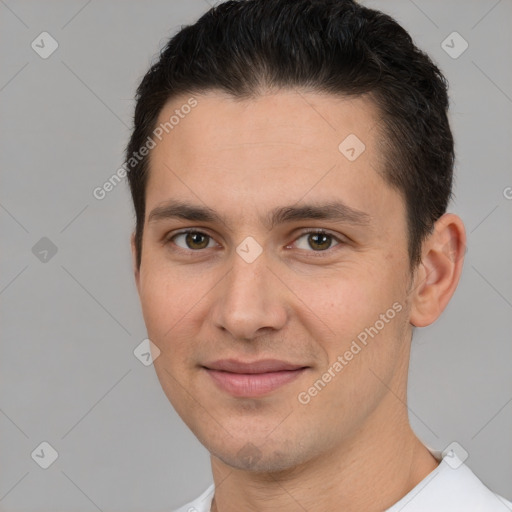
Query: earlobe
{"points": [[439, 272]]}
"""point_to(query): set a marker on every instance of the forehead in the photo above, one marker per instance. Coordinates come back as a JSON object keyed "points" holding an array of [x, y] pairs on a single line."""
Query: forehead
{"points": [[303, 121], [274, 148]]}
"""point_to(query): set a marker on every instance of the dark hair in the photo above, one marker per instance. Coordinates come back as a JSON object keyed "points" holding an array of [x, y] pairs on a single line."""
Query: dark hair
{"points": [[245, 47]]}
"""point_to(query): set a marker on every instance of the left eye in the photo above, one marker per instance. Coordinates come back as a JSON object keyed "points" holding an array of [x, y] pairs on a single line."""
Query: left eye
{"points": [[317, 240]]}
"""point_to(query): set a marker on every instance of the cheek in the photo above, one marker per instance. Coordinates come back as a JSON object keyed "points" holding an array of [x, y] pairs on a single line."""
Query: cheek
{"points": [[165, 302], [359, 318], [174, 306], [344, 306]]}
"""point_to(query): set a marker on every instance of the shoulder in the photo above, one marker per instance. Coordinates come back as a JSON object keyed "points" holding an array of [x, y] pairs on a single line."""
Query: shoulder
{"points": [[449, 488], [452, 488], [200, 504]]}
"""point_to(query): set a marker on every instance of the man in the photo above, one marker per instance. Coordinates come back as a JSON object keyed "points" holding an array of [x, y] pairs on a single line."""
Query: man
{"points": [[291, 232]]}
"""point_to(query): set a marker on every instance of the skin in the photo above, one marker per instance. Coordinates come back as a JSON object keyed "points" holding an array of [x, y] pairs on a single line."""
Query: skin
{"points": [[296, 302]]}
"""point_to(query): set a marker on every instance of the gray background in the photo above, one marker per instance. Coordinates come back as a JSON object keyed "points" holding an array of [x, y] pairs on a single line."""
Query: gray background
{"points": [[70, 324]]}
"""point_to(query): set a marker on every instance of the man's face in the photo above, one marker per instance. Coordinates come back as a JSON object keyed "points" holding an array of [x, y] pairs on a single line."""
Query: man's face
{"points": [[306, 300]]}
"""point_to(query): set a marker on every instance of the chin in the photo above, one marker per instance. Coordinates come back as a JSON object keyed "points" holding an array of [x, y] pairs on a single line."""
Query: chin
{"points": [[252, 459], [262, 458]]}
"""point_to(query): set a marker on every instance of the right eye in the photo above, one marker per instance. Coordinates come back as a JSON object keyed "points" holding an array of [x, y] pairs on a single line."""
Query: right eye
{"points": [[192, 240]]}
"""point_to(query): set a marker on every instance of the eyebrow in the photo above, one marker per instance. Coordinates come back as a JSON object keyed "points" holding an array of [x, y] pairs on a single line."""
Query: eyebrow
{"points": [[332, 211]]}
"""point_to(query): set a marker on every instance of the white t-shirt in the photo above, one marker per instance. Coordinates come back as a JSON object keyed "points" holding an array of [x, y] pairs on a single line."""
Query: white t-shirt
{"points": [[451, 487]]}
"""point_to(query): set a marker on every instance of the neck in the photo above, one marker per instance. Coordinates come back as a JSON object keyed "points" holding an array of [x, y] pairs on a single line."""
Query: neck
{"points": [[371, 471]]}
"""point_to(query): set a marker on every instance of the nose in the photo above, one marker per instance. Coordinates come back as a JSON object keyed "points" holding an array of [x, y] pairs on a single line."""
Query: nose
{"points": [[250, 301]]}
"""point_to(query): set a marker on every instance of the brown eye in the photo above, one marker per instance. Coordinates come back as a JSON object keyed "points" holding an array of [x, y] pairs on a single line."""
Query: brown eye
{"points": [[194, 240], [318, 241]]}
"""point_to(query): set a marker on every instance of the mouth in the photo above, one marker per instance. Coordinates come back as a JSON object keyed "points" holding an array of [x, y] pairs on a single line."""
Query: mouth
{"points": [[252, 379]]}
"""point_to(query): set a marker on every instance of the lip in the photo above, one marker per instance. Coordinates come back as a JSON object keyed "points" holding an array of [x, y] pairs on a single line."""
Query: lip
{"points": [[252, 379]]}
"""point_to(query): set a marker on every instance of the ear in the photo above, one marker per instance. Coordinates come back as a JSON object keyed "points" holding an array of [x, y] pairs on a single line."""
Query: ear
{"points": [[438, 274], [136, 271]]}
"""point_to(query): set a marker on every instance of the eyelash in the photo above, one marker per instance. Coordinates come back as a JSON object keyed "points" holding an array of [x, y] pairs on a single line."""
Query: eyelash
{"points": [[171, 238]]}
